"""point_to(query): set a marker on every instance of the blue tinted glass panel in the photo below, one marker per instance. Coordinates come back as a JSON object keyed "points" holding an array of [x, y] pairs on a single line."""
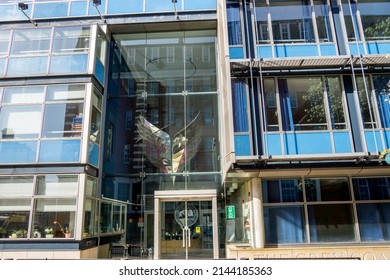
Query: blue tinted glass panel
{"points": [[276, 191], [93, 157], [274, 145], [242, 145], [200, 5], [296, 51], [49, 10], [99, 71], [23, 66], [11, 12], [18, 152], [342, 142], [328, 50], [93, 11], [284, 224], [374, 221], [387, 138], [162, 6], [69, 64], [354, 49], [78, 8], [371, 188], [125, 6], [264, 51], [373, 141], [234, 25], [236, 52], [60, 151], [378, 48], [240, 106], [307, 143]]}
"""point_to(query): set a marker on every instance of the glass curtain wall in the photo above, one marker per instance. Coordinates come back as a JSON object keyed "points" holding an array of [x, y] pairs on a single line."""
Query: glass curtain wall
{"points": [[48, 121], [48, 116], [166, 92], [323, 15], [306, 104], [240, 106], [234, 24], [371, 15], [39, 206], [162, 116], [382, 91], [292, 21], [374, 102], [40, 51], [41, 9], [326, 210]]}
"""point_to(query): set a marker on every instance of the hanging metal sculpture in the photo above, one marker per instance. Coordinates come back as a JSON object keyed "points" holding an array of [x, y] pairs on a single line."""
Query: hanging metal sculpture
{"points": [[170, 154]]}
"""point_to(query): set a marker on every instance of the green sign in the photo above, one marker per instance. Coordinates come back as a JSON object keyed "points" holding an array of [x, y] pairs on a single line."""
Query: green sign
{"points": [[230, 212]]}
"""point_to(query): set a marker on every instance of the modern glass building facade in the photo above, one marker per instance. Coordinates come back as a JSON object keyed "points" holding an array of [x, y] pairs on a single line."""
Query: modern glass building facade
{"points": [[111, 129], [194, 129], [310, 87]]}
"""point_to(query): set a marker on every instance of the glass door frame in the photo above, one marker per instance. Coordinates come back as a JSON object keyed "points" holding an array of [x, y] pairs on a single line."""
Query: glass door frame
{"points": [[184, 195]]}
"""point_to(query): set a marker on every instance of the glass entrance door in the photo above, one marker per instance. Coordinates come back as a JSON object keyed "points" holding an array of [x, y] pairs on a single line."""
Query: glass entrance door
{"points": [[185, 225], [186, 229]]}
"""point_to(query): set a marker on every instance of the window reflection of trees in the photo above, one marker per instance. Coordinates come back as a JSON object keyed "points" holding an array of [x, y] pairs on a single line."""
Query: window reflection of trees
{"points": [[366, 106], [314, 101], [379, 29], [315, 109]]}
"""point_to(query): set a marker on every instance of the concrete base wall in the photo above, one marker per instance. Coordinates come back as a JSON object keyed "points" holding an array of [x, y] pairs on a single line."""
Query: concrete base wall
{"points": [[50, 255], [374, 252]]}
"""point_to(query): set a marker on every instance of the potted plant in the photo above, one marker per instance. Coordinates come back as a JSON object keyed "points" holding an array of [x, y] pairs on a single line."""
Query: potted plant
{"points": [[36, 233], [19, 234], [67, 232], [49, 233]]}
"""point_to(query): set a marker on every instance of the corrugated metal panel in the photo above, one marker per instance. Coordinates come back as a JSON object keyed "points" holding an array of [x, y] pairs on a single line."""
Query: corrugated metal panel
{"points": [[317, 62]]}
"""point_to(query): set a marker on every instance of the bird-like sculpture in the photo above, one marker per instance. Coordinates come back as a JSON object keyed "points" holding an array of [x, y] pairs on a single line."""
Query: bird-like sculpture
{"points": [[170, 154]]}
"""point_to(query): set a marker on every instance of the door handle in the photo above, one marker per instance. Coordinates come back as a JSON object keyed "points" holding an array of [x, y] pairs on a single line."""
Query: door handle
{"points": [[189, 237], [184, 237]]}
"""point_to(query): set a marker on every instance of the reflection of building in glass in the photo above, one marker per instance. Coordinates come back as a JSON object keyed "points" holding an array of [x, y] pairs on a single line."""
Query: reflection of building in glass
{"points": [[116, 130]]}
